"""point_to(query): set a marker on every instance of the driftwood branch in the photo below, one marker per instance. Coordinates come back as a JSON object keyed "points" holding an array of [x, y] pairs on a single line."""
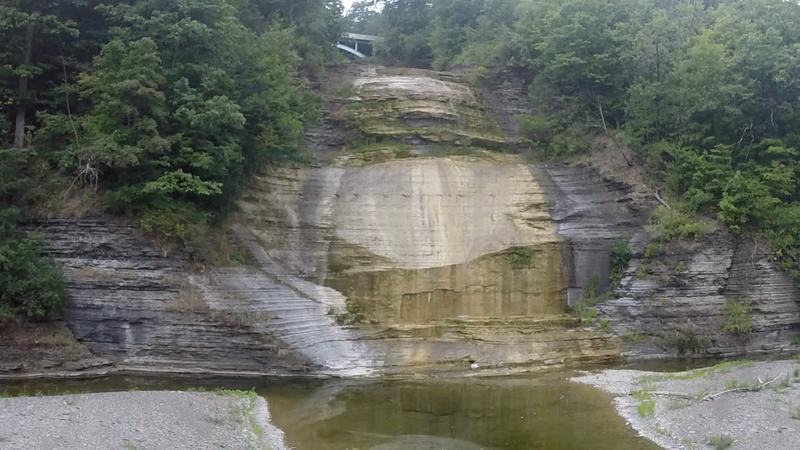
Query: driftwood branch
{"points": [[708, 397], [657, 195], [742, 389], [87, 176], [673, 394]]}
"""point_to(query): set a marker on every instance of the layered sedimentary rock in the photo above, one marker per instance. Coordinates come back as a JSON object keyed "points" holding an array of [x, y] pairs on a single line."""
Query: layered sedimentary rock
{"points": [[373, 260], [420, 105], [439, 266], [592, 212], [678, 304], [416, 229], [418, 251], [131, 304]]}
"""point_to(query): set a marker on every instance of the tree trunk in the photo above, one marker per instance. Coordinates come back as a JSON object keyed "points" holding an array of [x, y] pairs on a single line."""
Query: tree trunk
{"points": [[22, 89], [602, 115]]}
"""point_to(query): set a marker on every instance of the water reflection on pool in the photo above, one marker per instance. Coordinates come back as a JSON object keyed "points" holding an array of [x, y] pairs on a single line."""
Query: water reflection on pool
{"points": [[518, 413], [532, 412]]}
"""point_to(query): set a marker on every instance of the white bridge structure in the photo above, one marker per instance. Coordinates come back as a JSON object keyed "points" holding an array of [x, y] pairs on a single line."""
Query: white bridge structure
{"points": [[358, 45]]}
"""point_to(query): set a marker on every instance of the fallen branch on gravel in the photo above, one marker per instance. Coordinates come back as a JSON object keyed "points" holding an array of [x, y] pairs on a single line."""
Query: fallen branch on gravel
{"points": [[742, 389], [673, 394], [708, 397]]}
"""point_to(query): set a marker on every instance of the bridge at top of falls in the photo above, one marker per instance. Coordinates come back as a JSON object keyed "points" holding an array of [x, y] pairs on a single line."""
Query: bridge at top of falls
{"points": [[358, 45]]}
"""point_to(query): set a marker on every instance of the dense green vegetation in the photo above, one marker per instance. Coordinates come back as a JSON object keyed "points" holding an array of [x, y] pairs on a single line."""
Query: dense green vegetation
{"points": [[162, 108], [30, 285], [707, 94]]}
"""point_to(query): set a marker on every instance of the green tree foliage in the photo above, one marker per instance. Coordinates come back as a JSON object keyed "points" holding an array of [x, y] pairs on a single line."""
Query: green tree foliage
{"points": [[576, 49], [406, 33], [363, 17], [38, 38], [317, 24], [178, 113], [452, 22], [30, 285]]}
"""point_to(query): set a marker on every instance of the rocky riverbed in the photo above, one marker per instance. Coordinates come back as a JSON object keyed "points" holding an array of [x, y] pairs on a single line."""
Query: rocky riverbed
{"points": [[736, 405], [139, 420]]}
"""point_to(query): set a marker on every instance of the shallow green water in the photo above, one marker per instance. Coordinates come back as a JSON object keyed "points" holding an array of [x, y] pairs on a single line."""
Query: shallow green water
{"points": [[519, 413], [533, 412]]}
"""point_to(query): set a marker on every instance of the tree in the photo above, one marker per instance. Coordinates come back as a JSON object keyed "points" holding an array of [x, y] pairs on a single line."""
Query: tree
{"points": [[33, 32], [363, 17], [452, 22], [180, 113], [406, 28], [576, 49]]}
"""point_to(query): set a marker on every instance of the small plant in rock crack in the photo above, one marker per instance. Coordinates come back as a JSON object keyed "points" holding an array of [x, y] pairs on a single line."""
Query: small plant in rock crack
{"points": [[737, 318], [795, 413]]}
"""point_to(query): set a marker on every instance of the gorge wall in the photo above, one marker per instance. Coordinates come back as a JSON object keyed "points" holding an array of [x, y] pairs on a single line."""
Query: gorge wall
{"points": [[413, 243]]}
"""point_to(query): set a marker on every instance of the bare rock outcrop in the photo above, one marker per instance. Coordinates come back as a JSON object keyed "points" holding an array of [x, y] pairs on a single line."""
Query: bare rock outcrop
{"points": [[134, 306], [679, 304]]}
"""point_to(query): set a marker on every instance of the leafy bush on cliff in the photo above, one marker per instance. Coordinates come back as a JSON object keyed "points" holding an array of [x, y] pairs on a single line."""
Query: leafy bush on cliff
{"points": [[30, 285], [621, 254], [737, 318], [671, 224]]}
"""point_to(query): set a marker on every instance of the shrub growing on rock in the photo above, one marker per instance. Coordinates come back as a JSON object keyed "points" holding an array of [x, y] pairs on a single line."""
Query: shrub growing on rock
{"points": [[686, 339], [621, 254], [737, 318], [30, 285]]}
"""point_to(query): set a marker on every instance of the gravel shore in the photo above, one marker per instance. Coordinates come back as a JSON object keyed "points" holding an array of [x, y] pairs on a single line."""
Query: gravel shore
{"points": [[736, 405], [139, 420]]}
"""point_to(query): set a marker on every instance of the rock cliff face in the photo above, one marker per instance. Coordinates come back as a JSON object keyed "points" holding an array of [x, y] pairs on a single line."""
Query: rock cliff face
{"points": [[130, 304], [421, 106], [678, 305], [412, 244], [592, 212], [430, 231]]}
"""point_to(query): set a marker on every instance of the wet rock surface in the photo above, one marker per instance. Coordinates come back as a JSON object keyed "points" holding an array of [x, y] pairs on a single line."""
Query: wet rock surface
{"points": [[435, 268], [442, 259], [592, 212]]}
